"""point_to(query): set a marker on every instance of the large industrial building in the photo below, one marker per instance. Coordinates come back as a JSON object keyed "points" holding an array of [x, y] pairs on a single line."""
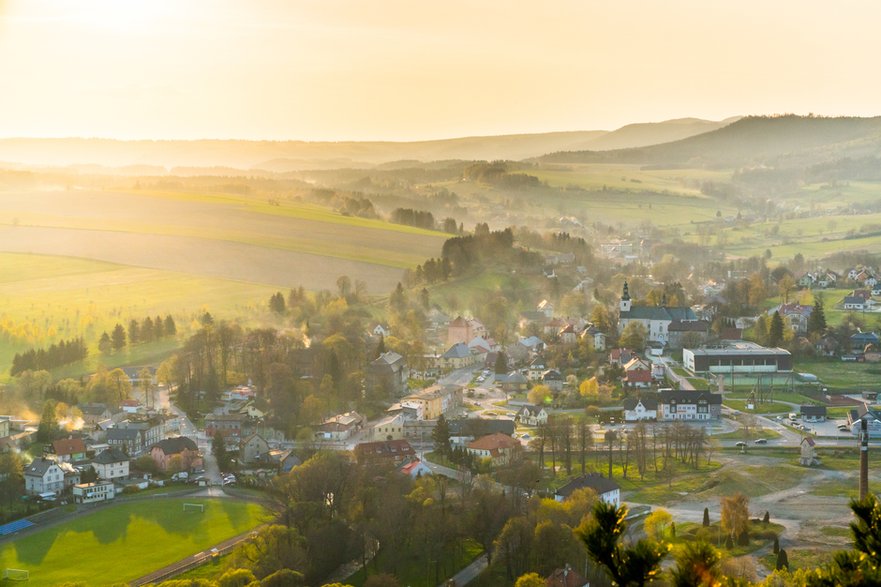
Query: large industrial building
{"points": [[737, 357]]}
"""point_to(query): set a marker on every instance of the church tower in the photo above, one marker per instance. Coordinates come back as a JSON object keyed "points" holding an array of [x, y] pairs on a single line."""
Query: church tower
{"points": [[624, 305]]}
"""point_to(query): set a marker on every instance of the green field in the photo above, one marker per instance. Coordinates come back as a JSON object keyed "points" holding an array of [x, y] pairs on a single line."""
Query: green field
{"points": [[45, 298], [126, 541], [841, 375]]}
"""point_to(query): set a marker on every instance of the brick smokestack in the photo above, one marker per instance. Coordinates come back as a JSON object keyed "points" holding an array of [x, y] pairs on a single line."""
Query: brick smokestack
{"points": [[864, 459]]}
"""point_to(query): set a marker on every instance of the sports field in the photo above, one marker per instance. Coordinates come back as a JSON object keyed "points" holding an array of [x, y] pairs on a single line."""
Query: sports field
{"points": [[126, 541]]}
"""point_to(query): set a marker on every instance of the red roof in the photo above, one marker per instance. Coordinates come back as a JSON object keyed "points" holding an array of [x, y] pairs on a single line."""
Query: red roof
{"points": [[494, 442], [68, 446]]}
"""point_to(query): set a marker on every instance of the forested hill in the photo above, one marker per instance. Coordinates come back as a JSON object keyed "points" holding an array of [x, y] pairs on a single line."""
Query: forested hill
{"points": [[284, 156], [756, 140]]}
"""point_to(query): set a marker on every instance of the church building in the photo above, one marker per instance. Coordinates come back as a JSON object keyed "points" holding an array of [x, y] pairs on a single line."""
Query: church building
{"points": [[656, 319]]}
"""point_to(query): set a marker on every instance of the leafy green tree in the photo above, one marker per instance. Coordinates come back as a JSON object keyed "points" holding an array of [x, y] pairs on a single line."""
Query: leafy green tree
{"points": [[117, 338], [697, 565], [236, 578], [657, 524], [735, 515], [633, 336], [48, 428], [283, 578], [627, 565], [530, 580], [775, 330]]}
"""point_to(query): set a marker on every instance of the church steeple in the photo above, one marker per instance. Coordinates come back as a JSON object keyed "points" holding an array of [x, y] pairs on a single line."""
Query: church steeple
{"points": [[624, 305]]}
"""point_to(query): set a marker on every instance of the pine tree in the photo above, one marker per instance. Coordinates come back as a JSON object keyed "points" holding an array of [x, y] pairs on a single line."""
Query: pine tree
{"points": [[501, 366], [706, 517], [767, 517], [118, 337], [441, 436], [147, 329], [775, 331], [277, 303], [104, 345], [380, 347], [776, 545], [134, 332], [171, 329], [817, 319]]}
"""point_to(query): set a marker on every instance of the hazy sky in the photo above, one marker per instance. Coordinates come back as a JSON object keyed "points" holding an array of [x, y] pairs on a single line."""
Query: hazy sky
{"points": [[387, 69]]}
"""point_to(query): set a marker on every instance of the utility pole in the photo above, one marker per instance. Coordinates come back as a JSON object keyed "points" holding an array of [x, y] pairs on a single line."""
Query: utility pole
{"points": [[864, 458]]}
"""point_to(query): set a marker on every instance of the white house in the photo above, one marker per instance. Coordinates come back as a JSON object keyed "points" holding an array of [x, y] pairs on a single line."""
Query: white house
{"points": [[111, 464], [655, 319], [532, 415], [42, 476], [638, 409], [606, 489]]}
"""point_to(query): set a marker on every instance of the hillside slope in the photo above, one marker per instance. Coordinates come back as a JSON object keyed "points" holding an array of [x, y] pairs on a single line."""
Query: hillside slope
{"points": [[792, 140]]}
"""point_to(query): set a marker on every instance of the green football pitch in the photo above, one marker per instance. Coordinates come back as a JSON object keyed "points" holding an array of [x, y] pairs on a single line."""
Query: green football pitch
{"points": [[122, 542]]}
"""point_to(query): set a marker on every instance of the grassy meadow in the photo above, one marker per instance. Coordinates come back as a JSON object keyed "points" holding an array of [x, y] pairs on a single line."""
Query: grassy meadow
{"points": [[126, 541]]}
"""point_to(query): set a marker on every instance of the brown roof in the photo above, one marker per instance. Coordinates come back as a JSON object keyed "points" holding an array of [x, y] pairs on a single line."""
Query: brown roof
{"points": [[384, 448], [68, 446], [491, 442], [567, 577]]}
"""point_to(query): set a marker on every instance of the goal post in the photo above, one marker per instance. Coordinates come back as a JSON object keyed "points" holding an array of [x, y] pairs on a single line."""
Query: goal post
{"points": [[192, 507], [16, 575]]}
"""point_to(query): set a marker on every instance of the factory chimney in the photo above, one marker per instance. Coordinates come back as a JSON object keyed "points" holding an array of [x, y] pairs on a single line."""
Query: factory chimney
{"points": [[864, 459]]}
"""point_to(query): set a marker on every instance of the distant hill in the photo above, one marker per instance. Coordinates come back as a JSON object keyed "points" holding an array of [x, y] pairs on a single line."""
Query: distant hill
{"points": [[284, 156], [754, 140]]}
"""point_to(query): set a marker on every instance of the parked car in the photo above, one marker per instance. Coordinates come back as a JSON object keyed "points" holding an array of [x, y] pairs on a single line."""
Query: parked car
{"points": [[761, 441]]}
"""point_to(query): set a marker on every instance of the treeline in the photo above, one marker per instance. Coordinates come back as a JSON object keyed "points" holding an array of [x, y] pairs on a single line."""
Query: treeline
{"points": [[497, 173], [146, 330], [410, 217], [62, 353]]}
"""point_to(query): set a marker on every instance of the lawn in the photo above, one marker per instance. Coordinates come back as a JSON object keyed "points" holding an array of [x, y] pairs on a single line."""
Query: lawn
{"points": [[126, 541], [841, 375], [764, 408], [416, 570]]}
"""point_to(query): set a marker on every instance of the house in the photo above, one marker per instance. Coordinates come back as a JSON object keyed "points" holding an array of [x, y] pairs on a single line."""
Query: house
{"points": [[813, 413], [546, 308], [795, 316], [656, 319], [435, 400], [498, 447], [229, 425], [387, 375], [687, 333], [176, 454], [127, 440], [111, 464], [136, 436], [67, 450], [606, 489], [42, 476], [532, 415], [689, 405], [860, 340], [389, 428], [482, 345], [393, 451], [457, 356], [536, 368], [567, 334], [382, 330], [251, 447], [513, 382], [340, 427], [553, 379], [415, 469], [93, 492], [621, 356], [637, 373], [94, 413], [854, 303], [464, 329], [464, 430], [806, 281], [871, 416], [596, 337], [641, 408], [808, 456], [566, 577], [130, 406], [533, 344]]}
